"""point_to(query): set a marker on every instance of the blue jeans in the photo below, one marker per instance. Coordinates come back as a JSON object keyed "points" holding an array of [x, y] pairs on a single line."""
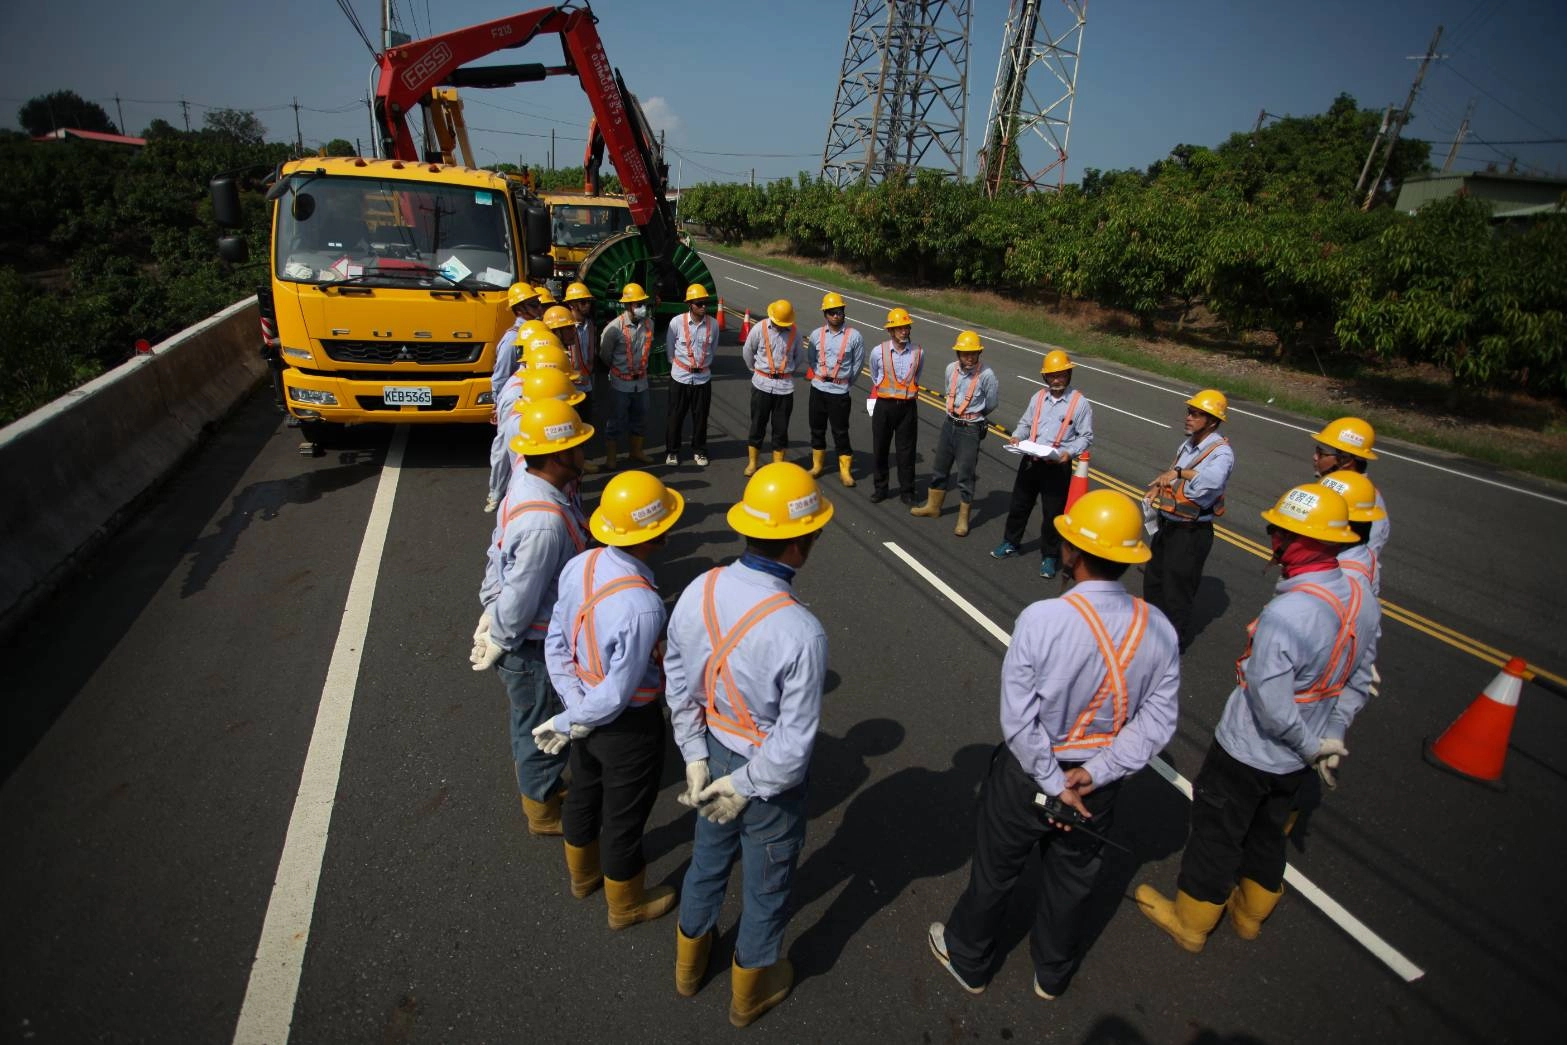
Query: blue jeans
{"points": [[533, 700], [629, 414], [768, 837]]}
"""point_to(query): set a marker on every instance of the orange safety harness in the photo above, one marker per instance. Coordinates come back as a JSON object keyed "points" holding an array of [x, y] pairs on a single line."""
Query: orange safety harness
{"points": [[591, 669], [1117, 660], [647, 352], [952, 392], [739, 723], [889, 387], [1341, 659], [822, 355], [581, 357], [691, 362], [573, 530], [767, 346], [1172, 497], [1039, 411]]}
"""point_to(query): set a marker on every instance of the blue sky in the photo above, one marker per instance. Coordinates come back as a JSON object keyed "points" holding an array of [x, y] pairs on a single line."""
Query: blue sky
{"points": [[756, 78]]}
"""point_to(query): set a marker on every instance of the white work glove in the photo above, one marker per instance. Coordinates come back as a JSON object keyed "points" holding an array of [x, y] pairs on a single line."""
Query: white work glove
{"points": [[1326, 761], [870, 406], [697, 778], [485, 653], [720, 804], [484, 627], [552, 739], [1376, 682]]}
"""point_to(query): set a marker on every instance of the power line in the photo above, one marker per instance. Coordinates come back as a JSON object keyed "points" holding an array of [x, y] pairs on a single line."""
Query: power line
{"points": [[1457, 72]]}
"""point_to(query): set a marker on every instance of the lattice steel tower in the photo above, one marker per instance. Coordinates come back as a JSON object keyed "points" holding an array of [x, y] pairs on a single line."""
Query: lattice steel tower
{"points": [[1016, 113], [902, 93]]}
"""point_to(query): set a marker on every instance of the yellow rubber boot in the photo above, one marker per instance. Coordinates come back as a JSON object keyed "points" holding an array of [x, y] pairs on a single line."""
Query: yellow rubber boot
{"points": [[610, 451], [818, 462], [961, 529], [583, 864], [691, 961], [1186, 919], [1249, 906], [934, 499], [757, 990], [844, 462], [543, 817], [750, 468], [778, 455], [630, 903], [636, 455]]}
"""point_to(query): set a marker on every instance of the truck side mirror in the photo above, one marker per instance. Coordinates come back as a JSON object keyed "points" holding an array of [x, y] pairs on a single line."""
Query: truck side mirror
{"points": [[540, 267], [225, 202], [537, 230], [234, 250]]}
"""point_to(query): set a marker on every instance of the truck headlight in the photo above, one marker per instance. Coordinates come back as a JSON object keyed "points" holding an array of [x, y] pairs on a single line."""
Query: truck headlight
{"points": [[297, 353], [486, 398], [311, 396]]}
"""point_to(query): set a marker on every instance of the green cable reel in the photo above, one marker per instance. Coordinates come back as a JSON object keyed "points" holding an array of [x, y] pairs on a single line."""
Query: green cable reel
{"points": [[624, 258]]}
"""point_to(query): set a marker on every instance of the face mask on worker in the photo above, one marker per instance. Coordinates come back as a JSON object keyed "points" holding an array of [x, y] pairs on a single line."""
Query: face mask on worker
{"points": [[639, 312]]}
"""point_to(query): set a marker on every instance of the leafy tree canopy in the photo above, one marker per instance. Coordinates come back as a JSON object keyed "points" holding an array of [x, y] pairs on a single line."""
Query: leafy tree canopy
{"points": [[48, 112], [241, 127]]}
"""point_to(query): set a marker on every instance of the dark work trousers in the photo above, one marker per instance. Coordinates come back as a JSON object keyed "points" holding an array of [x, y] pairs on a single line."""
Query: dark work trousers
{"points": [[769, 406], [1171, 577], [614, 780], [688, 399], [1010, 825], [1238, 816], [585, 408], [1045, 482], [829, 408], [957, 456], [894, 417]]}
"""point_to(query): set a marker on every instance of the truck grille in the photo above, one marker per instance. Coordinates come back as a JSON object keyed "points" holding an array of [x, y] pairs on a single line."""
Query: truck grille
{"points": [[425, 353], [438, 403]]}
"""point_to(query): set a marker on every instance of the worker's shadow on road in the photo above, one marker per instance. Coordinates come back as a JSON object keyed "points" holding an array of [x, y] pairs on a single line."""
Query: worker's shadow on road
{"points": [[917, 823], [1117, 1030], [1212, 600]]}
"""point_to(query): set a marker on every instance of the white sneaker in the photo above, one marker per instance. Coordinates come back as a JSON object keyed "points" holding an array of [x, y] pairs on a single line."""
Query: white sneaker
{"points": [[936, 936], [1041, 992], [490, 503], [671, 460], [701, 460]]}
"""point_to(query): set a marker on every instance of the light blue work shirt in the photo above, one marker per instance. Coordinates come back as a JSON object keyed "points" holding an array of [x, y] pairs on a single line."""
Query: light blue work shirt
{"points": [[627, 625], [691, 348], [890, 364], [506, 357], [1051, 411], [779, 667], [625, 347], [835, 358], [1381, 530], [526, 554], [582, 357], [1053, 669], [1209, 478], [971, 396], [1263, 725], [773, 356]]}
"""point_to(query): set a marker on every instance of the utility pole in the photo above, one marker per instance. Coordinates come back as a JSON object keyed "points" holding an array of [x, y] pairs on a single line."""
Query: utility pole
{"points": [[753, 177], [1256, 128], [121, 113], [552, 148], [185, 108], [1458, 139], [1371, 153], [299, 137], [1403, 118]]}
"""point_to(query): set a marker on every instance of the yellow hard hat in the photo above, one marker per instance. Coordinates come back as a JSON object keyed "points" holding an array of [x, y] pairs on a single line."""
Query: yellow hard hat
{"points": [[531, 329], [545, 297], [1055, 362], [1211, 401], [547, 354], [632, 293], [696, 292], [968, 341], [1349, 435], [781, 313], [577, 292], [557, 317], [539, 382], [1105, 523], [634, 508], [519, 293], [538, 338], [1313, 510], [832, 299], [898, 317], [1358, 492], [549, 426], [781, 501]]}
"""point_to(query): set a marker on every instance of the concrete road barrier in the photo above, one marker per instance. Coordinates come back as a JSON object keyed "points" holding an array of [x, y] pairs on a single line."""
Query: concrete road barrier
{"points": [[74, 467]]}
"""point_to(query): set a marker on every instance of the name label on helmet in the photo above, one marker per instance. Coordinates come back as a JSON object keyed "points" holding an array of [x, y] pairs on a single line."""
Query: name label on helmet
{"points": [[800, 507], [1299, 504], [1352, 438], [1338, 486], [564, 430], [648, 512]]}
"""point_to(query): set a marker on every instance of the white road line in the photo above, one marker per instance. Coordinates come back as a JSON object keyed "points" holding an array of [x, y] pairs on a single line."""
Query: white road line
{"points": [[1100, 403], [743, 283], [1305, 887], [268, 1009], [1162, 388]]}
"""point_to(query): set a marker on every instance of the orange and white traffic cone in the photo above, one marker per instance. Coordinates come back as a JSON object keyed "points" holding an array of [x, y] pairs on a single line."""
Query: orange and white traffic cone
{"points": [[720, 315], [745, 325], [1475, 746], [1079, 484]]}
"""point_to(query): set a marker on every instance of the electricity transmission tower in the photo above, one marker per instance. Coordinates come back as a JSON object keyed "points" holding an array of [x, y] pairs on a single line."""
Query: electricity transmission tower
{"points": [[902, 92], [1016, 109]]}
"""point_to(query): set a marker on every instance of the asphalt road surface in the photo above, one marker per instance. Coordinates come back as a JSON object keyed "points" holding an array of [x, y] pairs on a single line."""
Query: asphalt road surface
{"points": [[161, 709]]}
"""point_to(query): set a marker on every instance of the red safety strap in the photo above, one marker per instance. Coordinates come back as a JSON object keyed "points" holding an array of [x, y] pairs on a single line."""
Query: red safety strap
{"points": [[1341, 659], [647, 352], [822, 355], [1039, 411], [591, 670], [1117, 660], [691, 362], [767, 346], [1173, 499], [952, 392], [739, 723]]}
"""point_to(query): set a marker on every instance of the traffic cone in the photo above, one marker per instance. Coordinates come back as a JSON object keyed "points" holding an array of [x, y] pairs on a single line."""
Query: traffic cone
{"points": [[1079, 484], [720, 316], [745, 325], [1475, 746]]}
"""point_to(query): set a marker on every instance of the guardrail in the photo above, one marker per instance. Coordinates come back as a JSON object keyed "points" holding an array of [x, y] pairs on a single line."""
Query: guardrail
{"points": [[75, 467]]}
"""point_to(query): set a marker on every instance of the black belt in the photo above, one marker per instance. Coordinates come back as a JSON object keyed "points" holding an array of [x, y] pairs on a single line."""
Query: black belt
{"points": [[978, 421], [1185, 524]]}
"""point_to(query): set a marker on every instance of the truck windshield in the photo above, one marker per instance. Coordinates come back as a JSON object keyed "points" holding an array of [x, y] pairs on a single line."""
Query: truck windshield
{"points": [[377, 232], [584, 226]]}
